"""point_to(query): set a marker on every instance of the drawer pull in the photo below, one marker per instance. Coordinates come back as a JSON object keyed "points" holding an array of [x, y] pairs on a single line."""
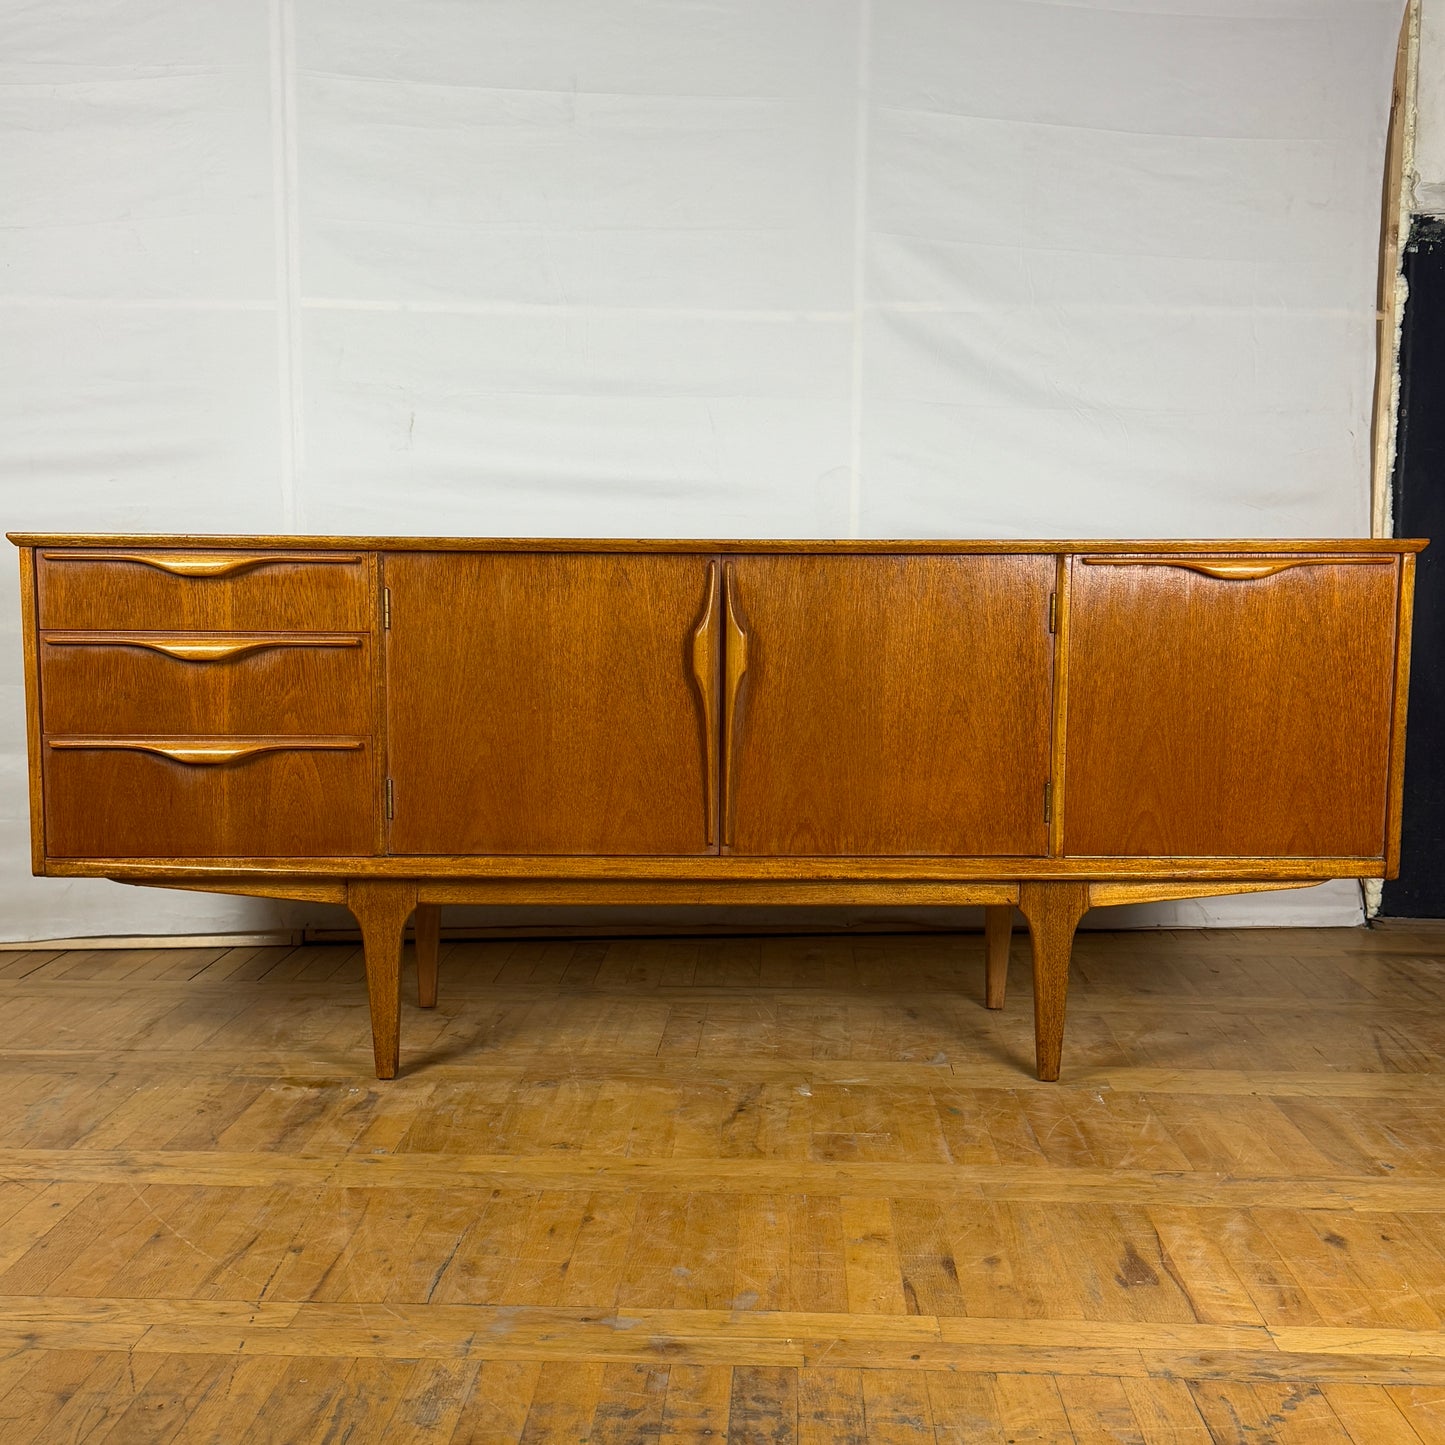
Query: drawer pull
{"points": [[211, 649], [1240, 571], [735, 665], [704, 671], [198, 753], [205, 564]]}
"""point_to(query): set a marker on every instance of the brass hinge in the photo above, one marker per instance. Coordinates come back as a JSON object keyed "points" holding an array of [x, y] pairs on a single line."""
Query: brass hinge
{"points": [[390, 799], [386, 607], [1048, 802], [1053, 611]]}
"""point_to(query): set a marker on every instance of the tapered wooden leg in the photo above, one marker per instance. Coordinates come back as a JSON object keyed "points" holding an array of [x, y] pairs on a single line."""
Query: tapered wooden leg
{"points": [[382, 910], [998, 932], [428, 946], [1053, 911]]}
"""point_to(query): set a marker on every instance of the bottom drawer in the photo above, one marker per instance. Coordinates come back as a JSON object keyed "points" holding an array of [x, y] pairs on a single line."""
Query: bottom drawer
{"points": [[236, 798]]}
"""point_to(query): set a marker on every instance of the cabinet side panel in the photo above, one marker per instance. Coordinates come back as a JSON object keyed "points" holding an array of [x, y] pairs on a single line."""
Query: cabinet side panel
{"points": [[1231, 709], [1401, 701], [29, 626]]}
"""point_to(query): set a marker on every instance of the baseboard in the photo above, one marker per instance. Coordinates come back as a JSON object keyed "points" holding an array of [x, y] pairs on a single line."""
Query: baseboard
{"points": [[282, 937], [291, 938]]}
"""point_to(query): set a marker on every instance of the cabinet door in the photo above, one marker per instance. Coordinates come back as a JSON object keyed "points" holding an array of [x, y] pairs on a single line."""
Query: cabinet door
{"points": [[889, 704], [548, 703], [1229, 707]]}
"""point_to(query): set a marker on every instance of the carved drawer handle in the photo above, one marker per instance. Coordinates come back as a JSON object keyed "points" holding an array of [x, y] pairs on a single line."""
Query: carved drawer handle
{"points": [[704, 671], [204, 564], [735, 664], [1240, 571], [199, 753], [210, 649]]}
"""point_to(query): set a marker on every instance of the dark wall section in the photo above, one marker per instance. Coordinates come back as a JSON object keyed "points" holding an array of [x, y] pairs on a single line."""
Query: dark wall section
{"points": [[1419, 485]]}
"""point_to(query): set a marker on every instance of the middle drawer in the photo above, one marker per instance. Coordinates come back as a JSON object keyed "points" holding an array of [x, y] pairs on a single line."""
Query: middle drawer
{"points": [[198, 682]]}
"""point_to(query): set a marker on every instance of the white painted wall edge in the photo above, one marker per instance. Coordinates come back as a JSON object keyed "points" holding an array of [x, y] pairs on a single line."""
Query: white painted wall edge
{"points": [[164, 940]]}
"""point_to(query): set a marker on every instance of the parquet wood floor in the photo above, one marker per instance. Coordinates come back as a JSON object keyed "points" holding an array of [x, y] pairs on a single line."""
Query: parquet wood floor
{"points": [[784, 1189]]}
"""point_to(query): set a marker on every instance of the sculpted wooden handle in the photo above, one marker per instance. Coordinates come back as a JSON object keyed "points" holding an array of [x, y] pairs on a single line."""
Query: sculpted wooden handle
{"points": [[197, 752], [735, 664], [704, 671], [203, 564], [189, 649], [1238, 571]]}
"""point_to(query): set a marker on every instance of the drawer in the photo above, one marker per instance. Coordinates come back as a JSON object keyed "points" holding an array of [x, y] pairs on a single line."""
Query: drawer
{"points": [[177, 683], [284, 797], [187, 588]]}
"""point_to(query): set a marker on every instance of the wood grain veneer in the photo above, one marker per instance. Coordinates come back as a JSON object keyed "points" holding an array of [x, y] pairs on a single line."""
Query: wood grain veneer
{"points": [[166, 682], [88, 589], [547, 704], [177, 562], [410, 722], [1217, 713], [289, 797], [31, 646], [890, 705], [1404, 628], [727, 870], [1053, 911]]}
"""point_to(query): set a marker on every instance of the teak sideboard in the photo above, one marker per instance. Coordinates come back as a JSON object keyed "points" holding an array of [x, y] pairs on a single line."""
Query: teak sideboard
{"points": [[400, 723]]}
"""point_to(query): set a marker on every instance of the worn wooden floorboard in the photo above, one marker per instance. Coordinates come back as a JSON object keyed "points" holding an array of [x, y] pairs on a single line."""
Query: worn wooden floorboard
{"points": [[777, 1189]]}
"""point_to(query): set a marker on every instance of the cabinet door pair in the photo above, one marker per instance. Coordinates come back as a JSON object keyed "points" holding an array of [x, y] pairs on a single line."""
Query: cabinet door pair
{"points": [[890, 705], [673, 704]]}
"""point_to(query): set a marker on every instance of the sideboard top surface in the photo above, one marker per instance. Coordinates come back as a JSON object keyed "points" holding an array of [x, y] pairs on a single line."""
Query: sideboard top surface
{"points": [[735, 545]]}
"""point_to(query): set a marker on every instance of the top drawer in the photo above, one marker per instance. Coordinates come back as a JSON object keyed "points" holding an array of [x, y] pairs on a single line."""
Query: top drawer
{"points": [[163, 587]]}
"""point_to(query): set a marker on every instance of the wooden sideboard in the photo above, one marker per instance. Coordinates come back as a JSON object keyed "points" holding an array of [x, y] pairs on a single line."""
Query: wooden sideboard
{"points": [[400, 723]]}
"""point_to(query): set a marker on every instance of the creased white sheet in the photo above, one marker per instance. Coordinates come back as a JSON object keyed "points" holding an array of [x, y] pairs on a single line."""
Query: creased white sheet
{"points": [[762, 268]]}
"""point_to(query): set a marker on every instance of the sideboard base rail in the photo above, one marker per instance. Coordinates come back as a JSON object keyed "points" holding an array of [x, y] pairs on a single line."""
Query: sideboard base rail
{"points": [[1052, 909]]}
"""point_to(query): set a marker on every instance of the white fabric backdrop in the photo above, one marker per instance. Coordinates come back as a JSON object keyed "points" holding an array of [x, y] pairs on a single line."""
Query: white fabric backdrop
{"points": [[1429, 188], [943, 268]]}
